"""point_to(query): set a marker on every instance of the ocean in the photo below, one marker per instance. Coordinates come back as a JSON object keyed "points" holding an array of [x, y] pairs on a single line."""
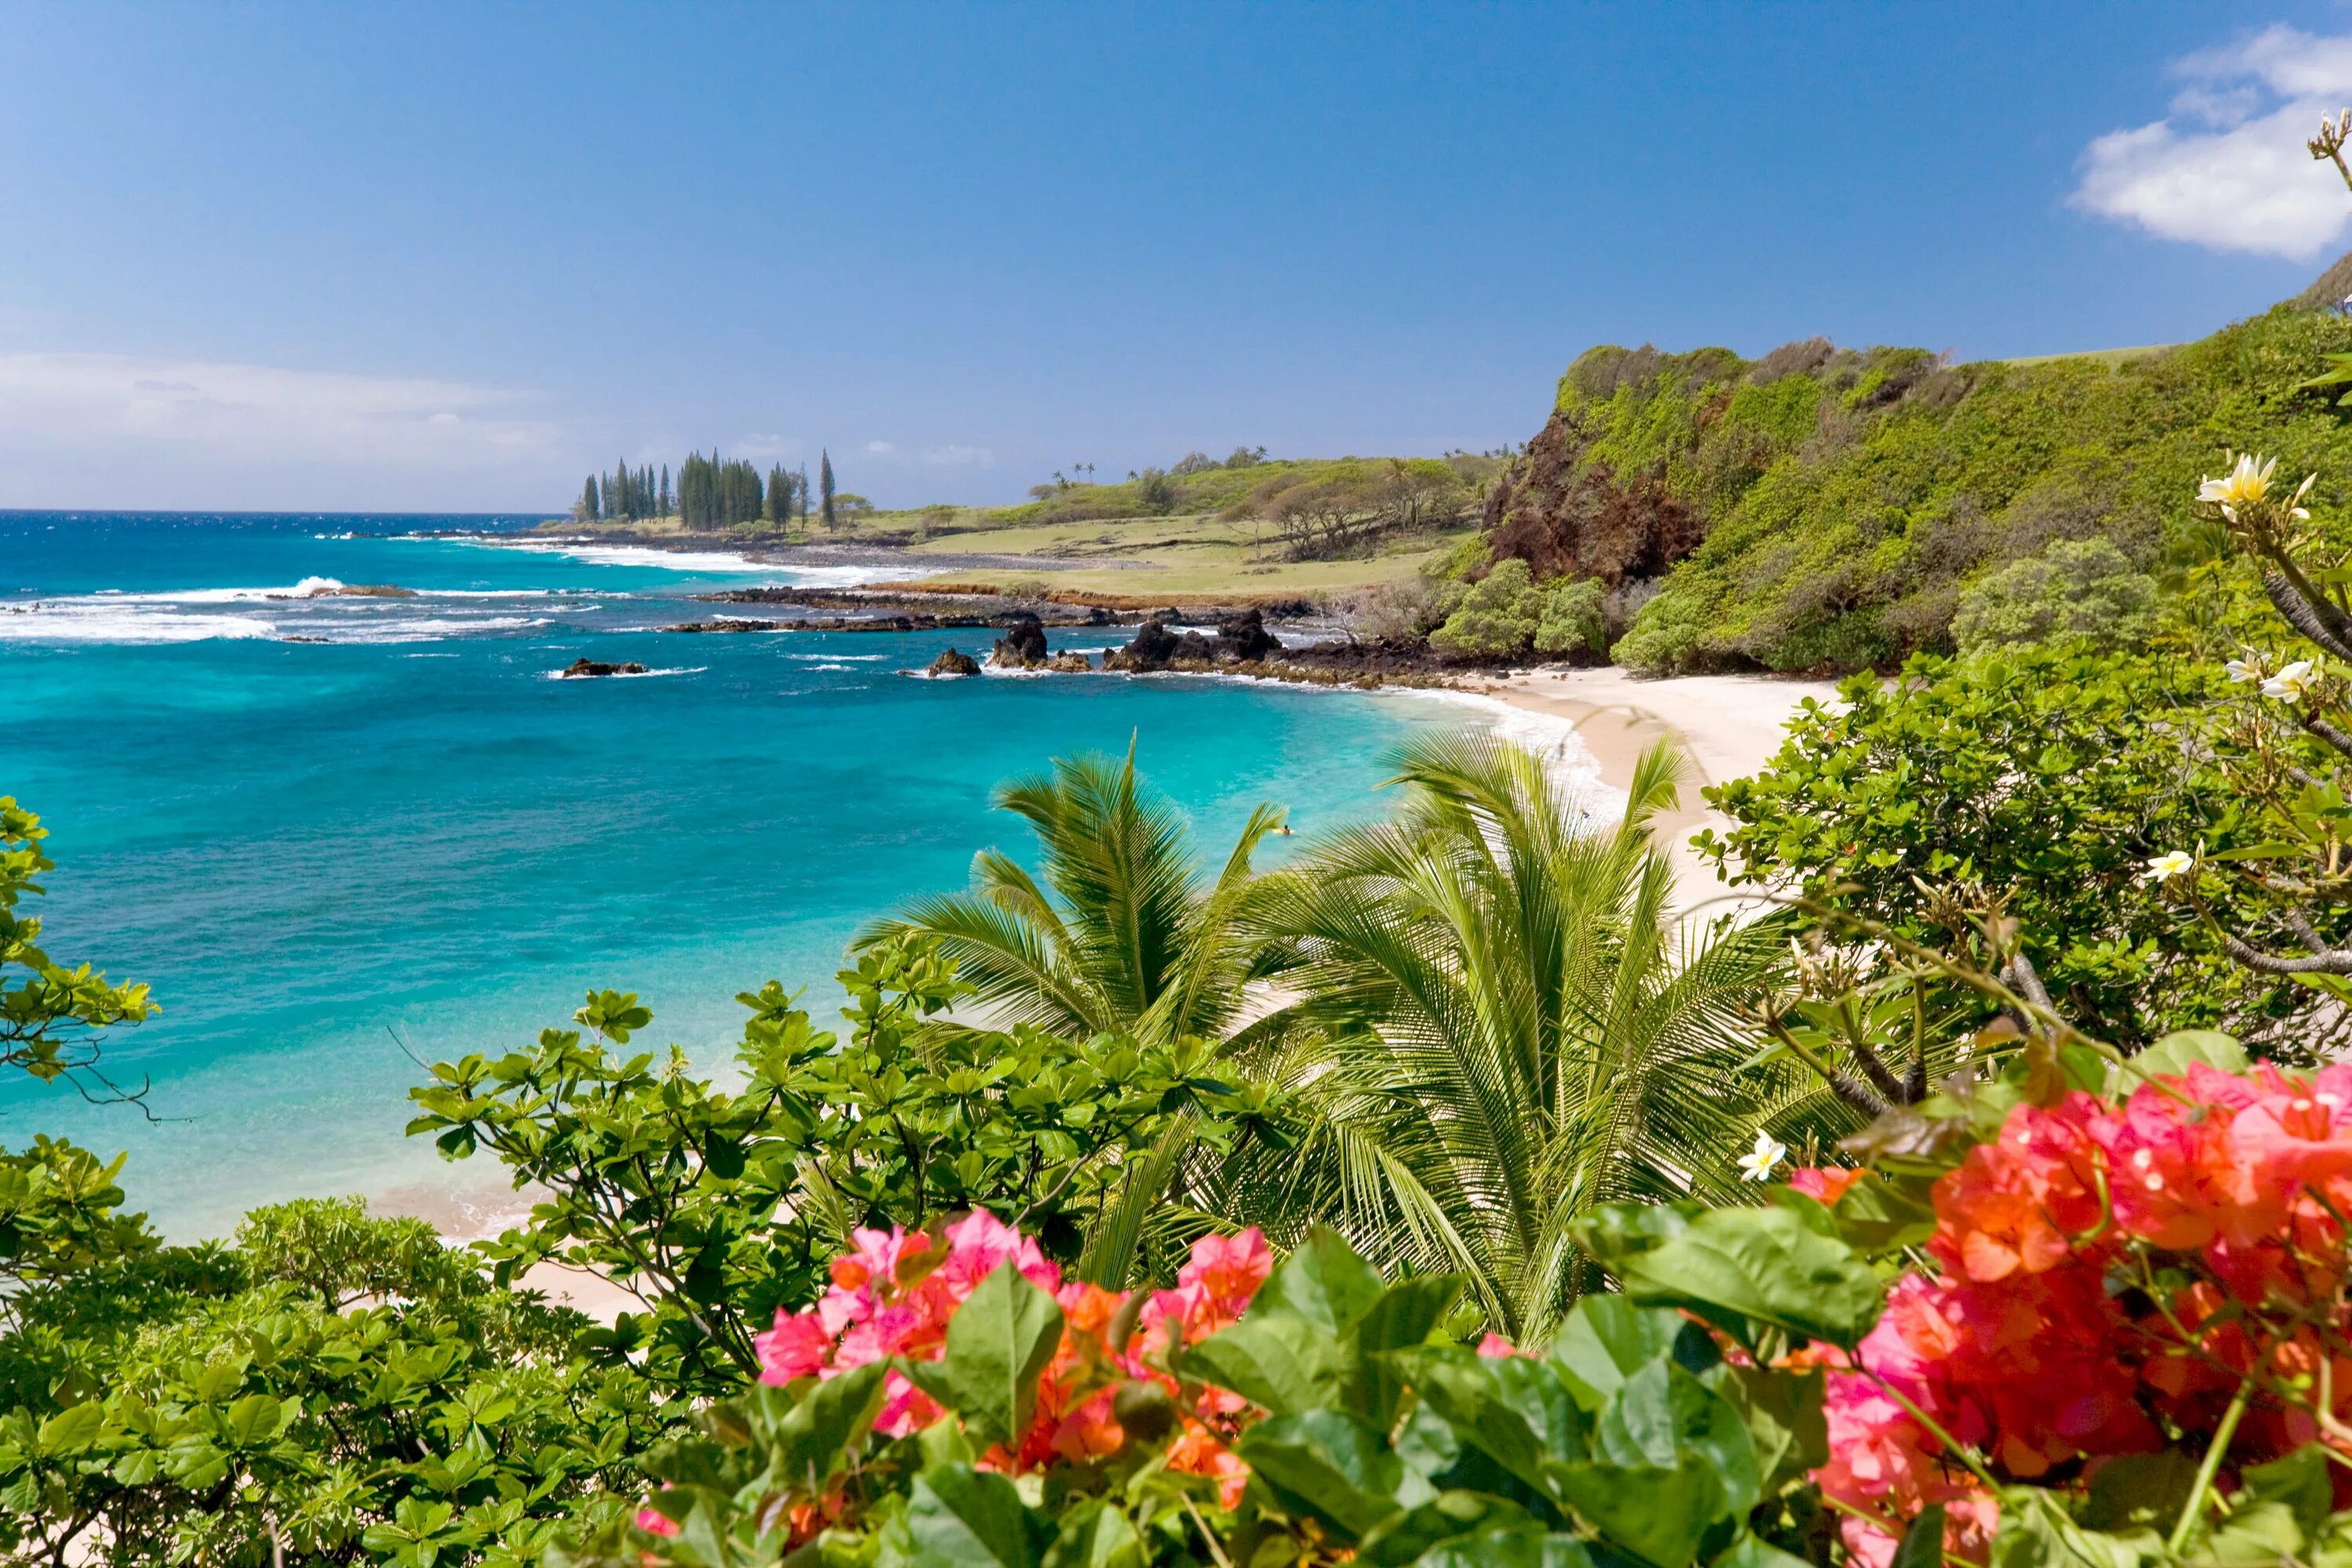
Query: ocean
{"points": [[334, 834]]}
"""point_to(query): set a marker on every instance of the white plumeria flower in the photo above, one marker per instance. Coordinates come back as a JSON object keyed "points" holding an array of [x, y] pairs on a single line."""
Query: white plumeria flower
{"points": [[2245, 671], [2172, 863], [2246, 483], [2291, 683], [1756, 1165]]}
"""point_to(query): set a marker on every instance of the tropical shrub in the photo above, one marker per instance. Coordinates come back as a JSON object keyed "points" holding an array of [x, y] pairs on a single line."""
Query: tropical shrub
{"points": [[2045, 779], [1497, 1024], [1130, 940], [239, 1405], [2123, 1341], [716, 1208], [1498, 618], [953, 1401], [1573, 620], [2078, 589], [1505, 613], [51, 1015]]}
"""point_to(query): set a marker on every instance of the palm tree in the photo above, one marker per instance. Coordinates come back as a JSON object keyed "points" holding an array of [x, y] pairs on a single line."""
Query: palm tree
{"points": [[1129, 941], [1499, 1023]]}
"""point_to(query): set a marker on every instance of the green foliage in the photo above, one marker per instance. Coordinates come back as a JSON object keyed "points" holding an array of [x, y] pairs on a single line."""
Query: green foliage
{"points": [[51, 1015], [717, 1209], [1499, 618], [1847, 500], [2078, 589], [2045, 778], [1498, 1026], [1632, 1441], [171, 1404], [1122, 936], [1572, 621]]}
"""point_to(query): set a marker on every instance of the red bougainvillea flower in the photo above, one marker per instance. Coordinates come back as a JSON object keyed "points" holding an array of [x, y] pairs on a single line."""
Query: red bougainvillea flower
{"points": [[2105, 1269], [1826, 1183], [893, 1295]]}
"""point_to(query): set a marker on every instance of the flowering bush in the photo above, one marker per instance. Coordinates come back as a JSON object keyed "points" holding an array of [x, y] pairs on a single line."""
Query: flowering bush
{"points": [[952, 1400], [2162, 1273], [894, 1296]]}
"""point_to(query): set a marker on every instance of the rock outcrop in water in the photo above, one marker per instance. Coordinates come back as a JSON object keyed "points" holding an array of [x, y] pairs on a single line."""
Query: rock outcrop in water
{"points": [[582, 668], [1241, 639], [954, 661], [1022, 646], [1245, 638]]}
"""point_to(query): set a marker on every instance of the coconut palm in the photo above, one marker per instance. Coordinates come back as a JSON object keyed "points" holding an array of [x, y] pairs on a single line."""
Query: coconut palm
{"points": [[1500, 1023], [1130, 940]]}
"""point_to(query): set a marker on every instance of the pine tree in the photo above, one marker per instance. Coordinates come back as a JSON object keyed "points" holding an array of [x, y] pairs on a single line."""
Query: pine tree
{"points": [[778, 509], [825, 482], [661, 503], [802, 487]]}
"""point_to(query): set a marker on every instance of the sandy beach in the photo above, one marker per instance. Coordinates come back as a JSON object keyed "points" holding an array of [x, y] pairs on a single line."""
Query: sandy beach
{"points": [[1728, 726]]}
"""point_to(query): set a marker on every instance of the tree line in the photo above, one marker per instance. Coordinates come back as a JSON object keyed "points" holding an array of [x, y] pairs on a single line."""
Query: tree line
{"points": [[710, 492]]}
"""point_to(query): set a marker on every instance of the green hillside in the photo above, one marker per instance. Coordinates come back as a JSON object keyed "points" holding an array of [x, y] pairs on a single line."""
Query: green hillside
{"points": [[1822, 508]]}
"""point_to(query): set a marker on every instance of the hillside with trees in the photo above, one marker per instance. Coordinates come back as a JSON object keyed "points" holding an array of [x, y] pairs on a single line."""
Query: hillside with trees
{"points": [[1828, 508]]}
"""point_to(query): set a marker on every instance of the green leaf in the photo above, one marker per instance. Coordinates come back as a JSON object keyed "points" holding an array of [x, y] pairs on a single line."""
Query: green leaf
{"points": [[1323, 1281], [2175, 1052], [1747, 1552], [1607, 1338], [958, 1517], [1657, 1515], [1518, 1413], [1330, 1465], [2036, 1533], [71, 1430], [999, 1342], [1785, 1422], [251, 1420], [1922, 1545], [1668, 1417], [1877, 1217], [816, 1436], [1504, 1547], [2300, 1481], [1281, 1360], [1096, 1535], [1466, 1528], [1761, 1265], [2147, 1490]]}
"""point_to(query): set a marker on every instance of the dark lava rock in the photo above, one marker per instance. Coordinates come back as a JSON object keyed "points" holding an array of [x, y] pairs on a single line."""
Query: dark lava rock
{"points": [[580, 668], [1022, 646], [1069, 662], [732, 624], [955, 662], [1245, 638], [1153, 647]]}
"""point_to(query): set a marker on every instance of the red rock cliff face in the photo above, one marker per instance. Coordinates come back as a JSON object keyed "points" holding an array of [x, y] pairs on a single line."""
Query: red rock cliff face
{"points": [[1564, 517]]}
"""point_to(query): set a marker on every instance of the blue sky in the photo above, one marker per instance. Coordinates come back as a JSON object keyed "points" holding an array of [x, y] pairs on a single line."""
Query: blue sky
{"points": [[449, 257]]}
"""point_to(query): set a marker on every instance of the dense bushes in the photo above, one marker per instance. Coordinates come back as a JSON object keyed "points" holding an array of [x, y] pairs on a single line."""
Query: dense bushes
{"points": [[1505, 615]]}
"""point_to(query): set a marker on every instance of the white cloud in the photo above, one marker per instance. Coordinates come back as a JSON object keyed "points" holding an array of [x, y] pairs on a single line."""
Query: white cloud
{"points": [[219, 414], [880, 449], [958, 456], [2226, 168], [770, 448]]}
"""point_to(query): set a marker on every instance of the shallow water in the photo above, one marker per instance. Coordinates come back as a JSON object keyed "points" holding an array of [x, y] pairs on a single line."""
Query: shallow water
{"points": [[407, 837]]}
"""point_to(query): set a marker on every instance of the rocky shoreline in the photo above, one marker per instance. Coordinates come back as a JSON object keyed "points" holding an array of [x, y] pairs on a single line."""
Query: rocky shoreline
{"points": [[1242, 644]]}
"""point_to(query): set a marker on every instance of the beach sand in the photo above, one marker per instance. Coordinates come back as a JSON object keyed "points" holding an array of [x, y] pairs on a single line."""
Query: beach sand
{"points": [[1727, 727]]}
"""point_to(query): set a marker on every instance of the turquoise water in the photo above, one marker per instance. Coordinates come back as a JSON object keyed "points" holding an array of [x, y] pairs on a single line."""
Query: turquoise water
{"points": [[407, 834]]}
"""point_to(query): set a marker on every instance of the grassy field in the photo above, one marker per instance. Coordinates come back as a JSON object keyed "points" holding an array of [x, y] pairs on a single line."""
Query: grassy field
{"points": [[1208, 539]]}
